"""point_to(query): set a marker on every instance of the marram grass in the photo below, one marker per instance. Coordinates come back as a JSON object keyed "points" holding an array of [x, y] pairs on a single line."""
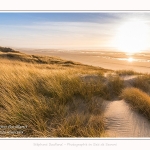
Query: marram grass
{"points": [[49, 102], [52, 97], [138, 100]]}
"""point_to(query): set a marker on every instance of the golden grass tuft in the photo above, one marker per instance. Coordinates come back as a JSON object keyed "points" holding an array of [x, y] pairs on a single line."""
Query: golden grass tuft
{"points": [[138, 99], [126, 72], [80, 125], [114, 86]]}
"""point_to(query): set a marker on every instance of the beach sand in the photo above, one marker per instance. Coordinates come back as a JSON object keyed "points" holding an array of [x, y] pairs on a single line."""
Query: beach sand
{"points": [[107, 60]]}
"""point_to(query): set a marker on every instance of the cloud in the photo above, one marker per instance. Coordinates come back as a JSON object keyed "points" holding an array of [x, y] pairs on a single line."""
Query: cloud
{"points": [[82, 29]]}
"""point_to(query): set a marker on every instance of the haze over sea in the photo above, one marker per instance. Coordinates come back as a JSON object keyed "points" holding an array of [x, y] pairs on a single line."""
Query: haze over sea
{"points": [[114, 60]]}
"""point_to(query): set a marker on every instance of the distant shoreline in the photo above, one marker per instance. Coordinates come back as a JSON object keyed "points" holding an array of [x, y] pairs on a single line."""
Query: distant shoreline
{"points": [[107, 60]]}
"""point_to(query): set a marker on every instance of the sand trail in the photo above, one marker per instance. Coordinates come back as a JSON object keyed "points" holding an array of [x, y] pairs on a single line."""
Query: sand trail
{"points": [[121, 121]]}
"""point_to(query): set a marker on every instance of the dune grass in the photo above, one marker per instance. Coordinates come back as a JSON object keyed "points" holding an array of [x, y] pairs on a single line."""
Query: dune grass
{"points": [[7, 49], [114, 87], [50, 100], [142, 82], [52, 97], [138, 100], [126, 72]]}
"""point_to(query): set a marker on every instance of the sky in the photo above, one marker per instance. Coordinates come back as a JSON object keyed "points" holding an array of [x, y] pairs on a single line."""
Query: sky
{"points": [[64, 30]]}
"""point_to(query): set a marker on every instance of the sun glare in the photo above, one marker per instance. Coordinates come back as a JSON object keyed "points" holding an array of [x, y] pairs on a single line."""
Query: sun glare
{"points": [[130, 59], [132, 36]]}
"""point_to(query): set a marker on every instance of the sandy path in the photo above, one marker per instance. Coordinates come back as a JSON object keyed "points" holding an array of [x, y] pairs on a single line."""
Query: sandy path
{"points": [[121, 121]]}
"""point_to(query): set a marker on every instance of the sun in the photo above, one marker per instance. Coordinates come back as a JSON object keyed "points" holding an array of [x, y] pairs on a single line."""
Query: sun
{"points": [[132, 36]]}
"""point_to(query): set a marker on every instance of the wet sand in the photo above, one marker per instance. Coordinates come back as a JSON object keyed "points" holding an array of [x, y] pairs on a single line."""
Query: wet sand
{"points": [[108, 60]]}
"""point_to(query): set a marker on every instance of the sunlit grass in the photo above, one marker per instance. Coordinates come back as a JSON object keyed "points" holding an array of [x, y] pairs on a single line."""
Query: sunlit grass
{"points": [[138, 100], [46, 99], [126, 72], [142, 82], [114, 86], [60, 98]]}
